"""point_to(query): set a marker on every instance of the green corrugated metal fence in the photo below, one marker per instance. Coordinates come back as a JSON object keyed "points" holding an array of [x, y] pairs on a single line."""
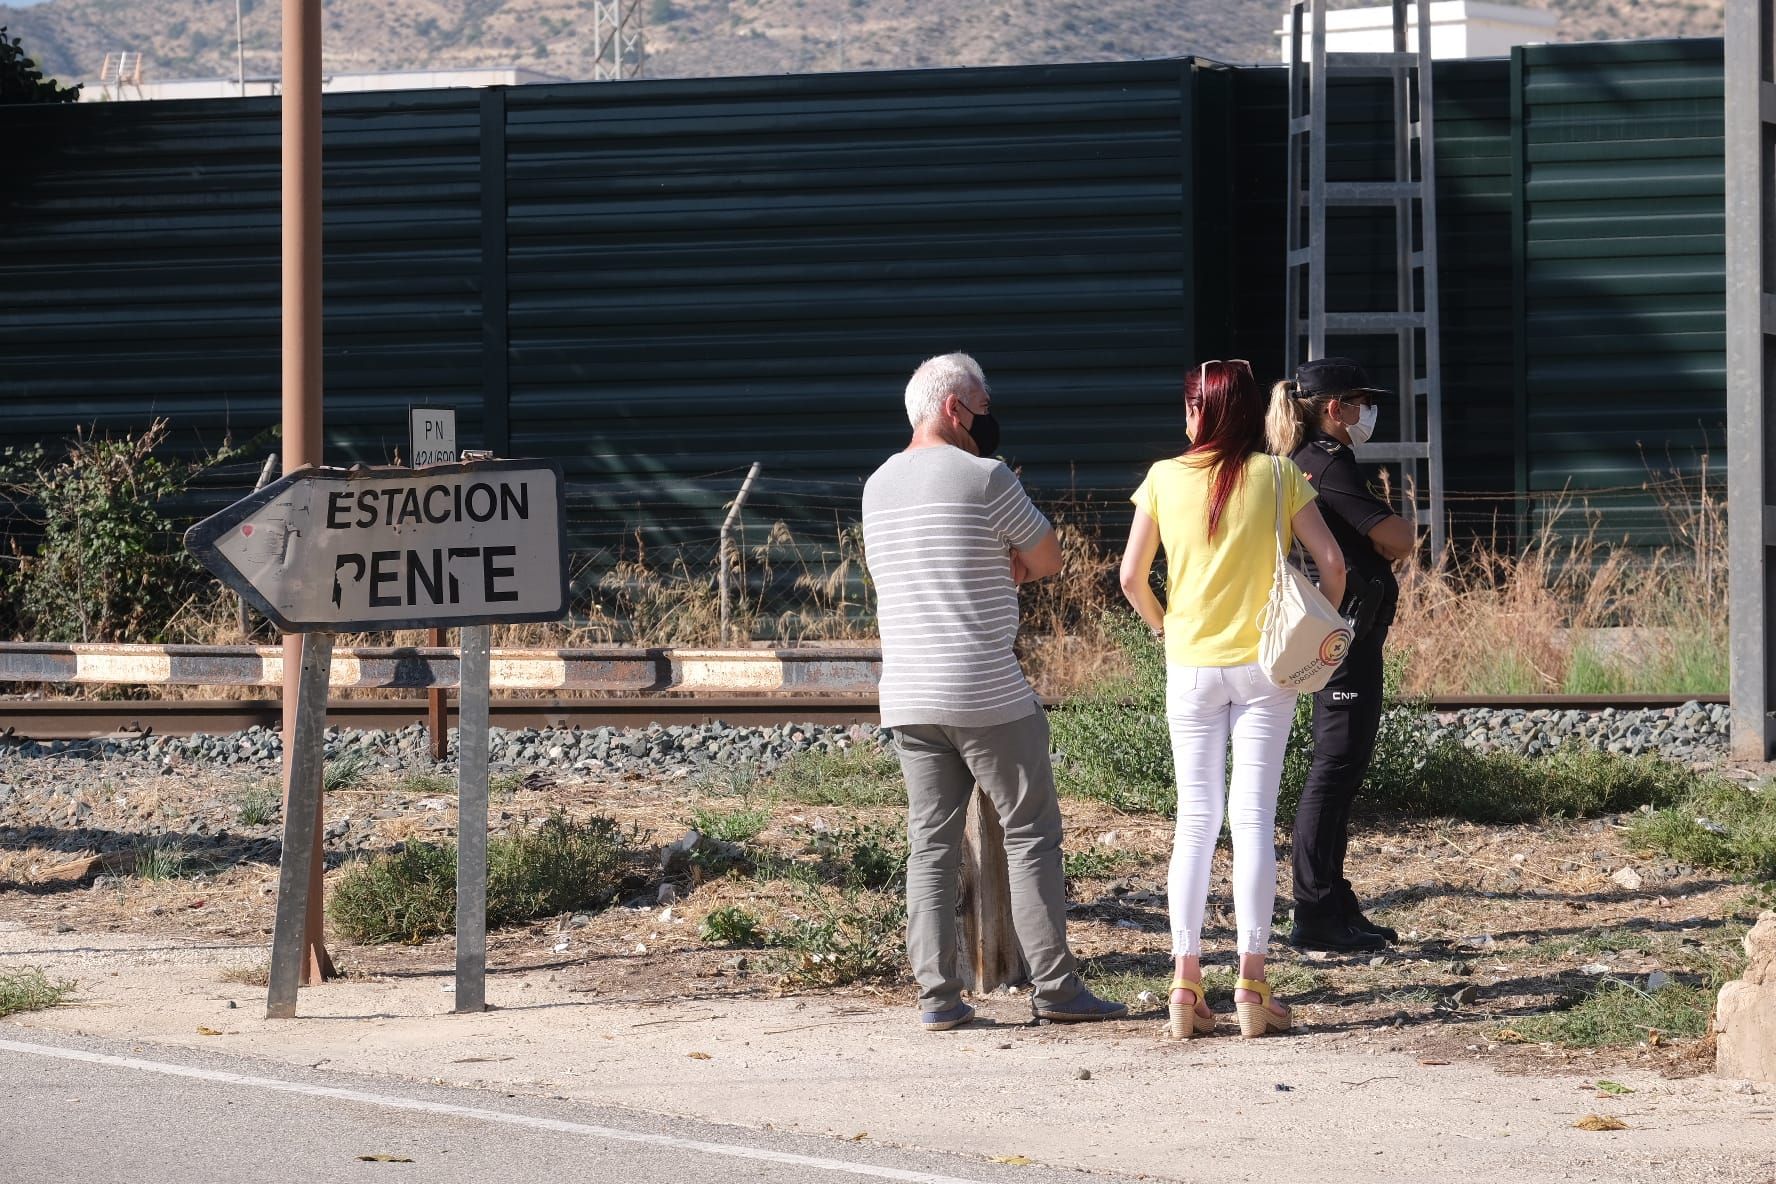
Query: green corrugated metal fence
{"points": [[659, 282], [1622, 285]]}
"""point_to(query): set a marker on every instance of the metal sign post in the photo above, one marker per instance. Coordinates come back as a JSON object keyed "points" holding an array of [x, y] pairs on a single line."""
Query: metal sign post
{"points": [[471, 822], [1751, 383], [327, 550], [431, 440], [302, 826]]}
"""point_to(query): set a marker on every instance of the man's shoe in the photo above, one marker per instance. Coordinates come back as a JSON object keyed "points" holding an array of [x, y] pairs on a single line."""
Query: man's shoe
{"points": [[943, 1021], [1363, 924], [1081, 1008], [1340, 937]]}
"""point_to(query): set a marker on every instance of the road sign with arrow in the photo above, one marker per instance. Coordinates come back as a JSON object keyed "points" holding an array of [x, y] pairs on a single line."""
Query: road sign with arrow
{"points": [[339, 550]]}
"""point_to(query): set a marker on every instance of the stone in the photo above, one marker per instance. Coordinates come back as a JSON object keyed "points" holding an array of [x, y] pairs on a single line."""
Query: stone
{"points": [[1745, 1014], [1658, 980], [1082, 1075], [1627, 878]]}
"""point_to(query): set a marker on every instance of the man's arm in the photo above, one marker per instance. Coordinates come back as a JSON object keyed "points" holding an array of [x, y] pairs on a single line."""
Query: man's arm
{"points": [[1039, 562]]}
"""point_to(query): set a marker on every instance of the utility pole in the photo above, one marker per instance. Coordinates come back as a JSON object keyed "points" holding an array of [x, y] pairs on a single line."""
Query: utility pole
{"points": [[301, 120]]}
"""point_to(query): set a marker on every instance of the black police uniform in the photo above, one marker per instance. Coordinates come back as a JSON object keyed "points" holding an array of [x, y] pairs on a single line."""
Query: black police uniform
{"points": [[1347, 712]]}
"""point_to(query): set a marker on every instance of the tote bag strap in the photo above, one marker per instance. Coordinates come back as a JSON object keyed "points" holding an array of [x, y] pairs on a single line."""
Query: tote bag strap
{"points": [[1276, 468]]}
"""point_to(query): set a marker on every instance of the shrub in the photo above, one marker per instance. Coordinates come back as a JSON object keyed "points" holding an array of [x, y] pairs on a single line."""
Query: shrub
{"points": [[731, 925], [410, 895], [109, 565], [859, 936], [562, 866], [29, 989], [407, 896]]}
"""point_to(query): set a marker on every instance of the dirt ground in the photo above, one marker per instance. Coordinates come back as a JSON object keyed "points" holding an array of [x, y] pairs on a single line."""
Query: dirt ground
{"points": [[1498, 924]]}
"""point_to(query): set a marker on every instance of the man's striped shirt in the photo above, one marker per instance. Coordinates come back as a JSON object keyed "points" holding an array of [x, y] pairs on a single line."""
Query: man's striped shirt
{"points": [[939, 526]]}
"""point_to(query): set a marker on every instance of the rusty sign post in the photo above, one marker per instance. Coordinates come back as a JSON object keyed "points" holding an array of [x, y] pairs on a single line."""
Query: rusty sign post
{"points": [[301, 120], [327, 550]]}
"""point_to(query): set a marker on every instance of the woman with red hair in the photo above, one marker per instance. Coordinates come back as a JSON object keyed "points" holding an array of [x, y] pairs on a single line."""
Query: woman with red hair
{"points": [[1215, 510]]}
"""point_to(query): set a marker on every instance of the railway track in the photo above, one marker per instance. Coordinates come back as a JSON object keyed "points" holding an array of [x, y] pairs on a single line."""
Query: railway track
{"points": [[78, 719]]}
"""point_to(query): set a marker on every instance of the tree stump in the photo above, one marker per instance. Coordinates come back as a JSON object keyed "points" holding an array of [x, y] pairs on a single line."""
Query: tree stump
{"points": [[990, 957]]}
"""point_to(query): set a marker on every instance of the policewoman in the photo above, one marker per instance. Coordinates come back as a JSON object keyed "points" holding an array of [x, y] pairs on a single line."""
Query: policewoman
{"points": [[1314, 420]]}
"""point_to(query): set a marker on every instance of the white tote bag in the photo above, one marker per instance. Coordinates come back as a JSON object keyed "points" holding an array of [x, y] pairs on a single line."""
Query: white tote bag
{"points": [[1303, 637]]}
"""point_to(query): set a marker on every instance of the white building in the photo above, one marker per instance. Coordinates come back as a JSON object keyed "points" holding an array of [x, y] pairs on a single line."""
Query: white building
{"points": [[1459, 29], [230, 88]]}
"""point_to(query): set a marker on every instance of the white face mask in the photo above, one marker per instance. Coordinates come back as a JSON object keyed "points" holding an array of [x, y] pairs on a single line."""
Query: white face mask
{"points": [[1365, 425]]}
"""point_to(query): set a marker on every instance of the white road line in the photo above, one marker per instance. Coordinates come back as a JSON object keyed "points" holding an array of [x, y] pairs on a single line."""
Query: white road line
{"points": [[522, 1120]]}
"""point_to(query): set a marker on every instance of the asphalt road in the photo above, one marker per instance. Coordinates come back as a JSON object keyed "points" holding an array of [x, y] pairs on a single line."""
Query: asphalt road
{"points": [[91, 1111]]}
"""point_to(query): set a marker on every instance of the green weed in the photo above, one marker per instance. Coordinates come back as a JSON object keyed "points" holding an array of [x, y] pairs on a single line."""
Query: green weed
{"points": [[731, 826], [1619, 1013], [862, 775], [731, 925], [161, 860], [261, 804], [1719, 824], [428, 784], [346, 771], [856, 937], [1116, 749], [863, 856], [410, 895], [29, 989], [1097, 863]]}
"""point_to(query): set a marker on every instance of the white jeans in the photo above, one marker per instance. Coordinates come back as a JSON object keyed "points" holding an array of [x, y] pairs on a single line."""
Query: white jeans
{"points": [[1205, 706]]}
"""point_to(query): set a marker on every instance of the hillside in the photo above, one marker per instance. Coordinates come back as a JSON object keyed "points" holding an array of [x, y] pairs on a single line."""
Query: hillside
{"points": [[692, 38]]}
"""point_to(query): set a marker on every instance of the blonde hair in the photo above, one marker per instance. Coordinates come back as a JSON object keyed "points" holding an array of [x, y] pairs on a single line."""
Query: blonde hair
{"points": [[1291, 416]]}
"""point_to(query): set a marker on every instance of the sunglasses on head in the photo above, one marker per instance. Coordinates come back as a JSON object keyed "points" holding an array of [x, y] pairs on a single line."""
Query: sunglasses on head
{"points": [[1202, 376]]}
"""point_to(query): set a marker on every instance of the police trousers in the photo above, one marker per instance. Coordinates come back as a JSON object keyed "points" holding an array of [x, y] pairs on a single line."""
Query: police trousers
{"points": [[1346, 717]]}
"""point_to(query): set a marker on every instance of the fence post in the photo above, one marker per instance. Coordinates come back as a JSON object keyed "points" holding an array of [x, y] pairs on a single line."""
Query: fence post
{"points": [[990, 957], [721, 574]]}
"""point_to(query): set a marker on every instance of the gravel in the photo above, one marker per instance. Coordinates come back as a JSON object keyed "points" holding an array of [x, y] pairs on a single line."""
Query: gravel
{"points": [[1692, 732], [653, 749]]}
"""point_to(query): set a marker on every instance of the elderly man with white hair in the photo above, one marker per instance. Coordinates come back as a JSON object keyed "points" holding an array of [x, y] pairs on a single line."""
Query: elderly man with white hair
{"points": [[949, 533]]}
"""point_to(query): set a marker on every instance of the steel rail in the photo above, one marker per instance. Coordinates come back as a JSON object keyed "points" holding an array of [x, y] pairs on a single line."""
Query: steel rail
{"points": [[78, 719]]}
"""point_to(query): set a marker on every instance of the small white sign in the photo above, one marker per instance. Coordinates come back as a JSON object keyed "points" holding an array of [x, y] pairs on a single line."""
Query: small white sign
{"points": [[431, 436]]}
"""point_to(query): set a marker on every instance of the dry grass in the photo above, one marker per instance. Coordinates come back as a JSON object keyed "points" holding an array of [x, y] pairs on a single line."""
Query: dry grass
{"points": [[1571, 612]]}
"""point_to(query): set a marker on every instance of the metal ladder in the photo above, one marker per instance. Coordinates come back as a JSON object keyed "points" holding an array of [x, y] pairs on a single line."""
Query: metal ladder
{"points": [[1410, 71]]}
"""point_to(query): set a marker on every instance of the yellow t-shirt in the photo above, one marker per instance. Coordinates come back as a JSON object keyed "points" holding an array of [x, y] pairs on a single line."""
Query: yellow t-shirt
{"points": [[1215, 588]]}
